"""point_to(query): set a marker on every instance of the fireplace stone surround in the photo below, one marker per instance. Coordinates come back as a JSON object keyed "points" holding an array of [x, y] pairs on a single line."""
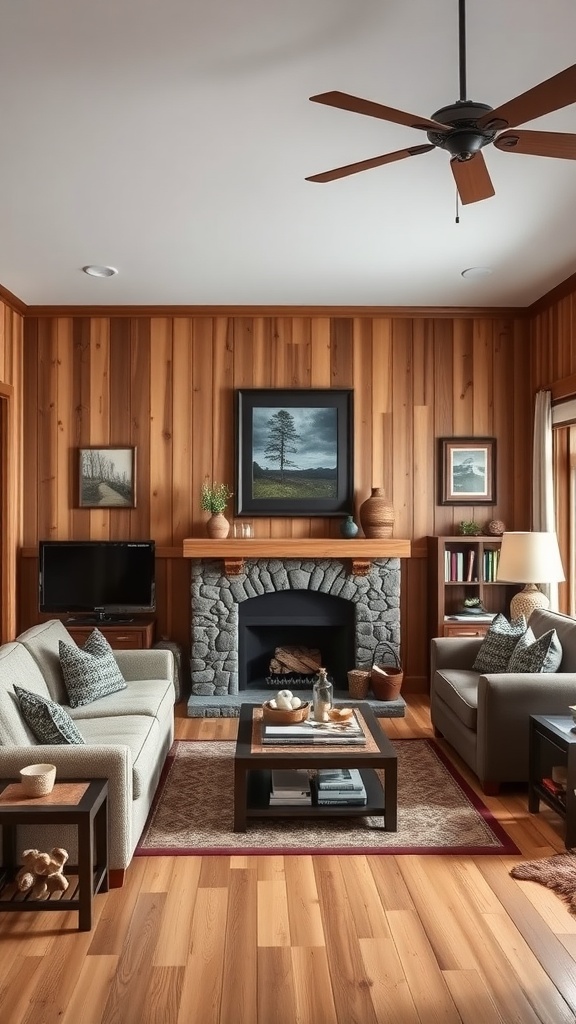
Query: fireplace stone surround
{"points": [[217, 594]]}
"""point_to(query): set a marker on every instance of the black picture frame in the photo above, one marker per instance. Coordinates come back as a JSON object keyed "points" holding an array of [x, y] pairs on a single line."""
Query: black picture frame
{"points": [[467, 471], [107, 477], [318, 425]]}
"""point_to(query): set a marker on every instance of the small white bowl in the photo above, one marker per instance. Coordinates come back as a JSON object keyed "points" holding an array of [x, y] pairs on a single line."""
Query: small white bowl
{"points": [[38, 779]]}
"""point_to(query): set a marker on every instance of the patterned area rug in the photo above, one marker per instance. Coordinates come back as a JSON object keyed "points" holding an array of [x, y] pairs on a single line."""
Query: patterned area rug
{"points": [[437, 812]]}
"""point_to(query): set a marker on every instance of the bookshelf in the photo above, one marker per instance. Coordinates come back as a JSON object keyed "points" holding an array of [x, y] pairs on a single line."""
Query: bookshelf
{"points": [[459, 568]]}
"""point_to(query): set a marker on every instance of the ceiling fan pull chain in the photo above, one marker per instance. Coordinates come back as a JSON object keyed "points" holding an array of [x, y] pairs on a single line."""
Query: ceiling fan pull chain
{"points": [[457, 218]]}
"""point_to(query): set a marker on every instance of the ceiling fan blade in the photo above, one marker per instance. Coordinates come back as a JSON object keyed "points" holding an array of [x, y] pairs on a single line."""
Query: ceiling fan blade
{"points": [[553, 94], [366, 165], [358, 106], [472, 179], [556, 144]]}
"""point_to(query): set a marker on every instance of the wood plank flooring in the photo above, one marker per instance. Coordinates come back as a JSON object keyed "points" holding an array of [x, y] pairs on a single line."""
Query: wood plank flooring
{"points": [[305, 940]]}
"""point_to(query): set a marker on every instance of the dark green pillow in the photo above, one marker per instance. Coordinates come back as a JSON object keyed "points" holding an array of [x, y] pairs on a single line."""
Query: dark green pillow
{"points": [[498, 644], [90, 672], [49, 722]]}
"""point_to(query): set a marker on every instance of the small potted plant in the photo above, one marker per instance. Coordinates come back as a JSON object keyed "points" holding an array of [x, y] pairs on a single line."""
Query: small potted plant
{"points": [[214, 499]]}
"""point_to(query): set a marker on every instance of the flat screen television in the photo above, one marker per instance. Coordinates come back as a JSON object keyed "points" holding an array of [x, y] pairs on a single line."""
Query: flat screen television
{"points": [[102, 581]]}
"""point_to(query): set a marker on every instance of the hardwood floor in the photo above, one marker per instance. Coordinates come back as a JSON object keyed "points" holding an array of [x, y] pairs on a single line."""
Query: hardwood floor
{"points": [[304, 940]]}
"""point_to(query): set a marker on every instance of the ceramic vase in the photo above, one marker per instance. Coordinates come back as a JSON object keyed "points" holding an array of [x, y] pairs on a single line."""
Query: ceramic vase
{"points": [[377, 514], [348, 527], [218, 526]]}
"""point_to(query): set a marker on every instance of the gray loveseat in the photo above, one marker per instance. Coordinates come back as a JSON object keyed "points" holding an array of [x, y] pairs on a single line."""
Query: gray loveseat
{"points": [[485, 717], [127, 734]]}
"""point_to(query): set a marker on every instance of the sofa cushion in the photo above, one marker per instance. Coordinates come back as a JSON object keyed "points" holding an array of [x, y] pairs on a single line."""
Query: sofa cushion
{"points": [[152, 697], [17, 666], [458, 688], [42, 643], [49, 722], [536, 655], [498, 644], [142, 735], [90, 672], [542, 619]]}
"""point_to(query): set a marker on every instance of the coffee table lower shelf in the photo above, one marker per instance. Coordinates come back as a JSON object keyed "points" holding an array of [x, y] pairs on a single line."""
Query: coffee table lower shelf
{"points": [[258, 800]]}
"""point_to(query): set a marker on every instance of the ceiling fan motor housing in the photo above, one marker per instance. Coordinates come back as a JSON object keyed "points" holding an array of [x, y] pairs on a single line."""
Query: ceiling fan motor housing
{"points": [[465, 137]]}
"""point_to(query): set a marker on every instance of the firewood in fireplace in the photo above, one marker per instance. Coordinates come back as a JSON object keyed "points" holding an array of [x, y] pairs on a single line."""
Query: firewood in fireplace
{"points": [[304, 660]]}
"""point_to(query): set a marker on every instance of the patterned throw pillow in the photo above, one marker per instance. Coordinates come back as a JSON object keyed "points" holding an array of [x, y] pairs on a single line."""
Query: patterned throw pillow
{"points": [[90, 672], [498, 644], [49, 722], [536, 655]]}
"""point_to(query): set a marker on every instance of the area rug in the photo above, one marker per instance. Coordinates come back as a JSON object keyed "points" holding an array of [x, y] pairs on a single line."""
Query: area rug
{"points": [[438, 812], [557, 872]]}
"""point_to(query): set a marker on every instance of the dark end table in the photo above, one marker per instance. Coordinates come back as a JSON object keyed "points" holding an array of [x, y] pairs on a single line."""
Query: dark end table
{"points": [[71, 802], [552, 742]]}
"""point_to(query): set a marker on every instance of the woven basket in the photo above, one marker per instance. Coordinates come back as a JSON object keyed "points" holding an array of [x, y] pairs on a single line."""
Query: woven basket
{"points": [[358, 683], [386, 680]]}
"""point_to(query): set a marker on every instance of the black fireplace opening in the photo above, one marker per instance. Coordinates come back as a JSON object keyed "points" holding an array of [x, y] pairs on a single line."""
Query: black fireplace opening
{"points": [[303, 618]]}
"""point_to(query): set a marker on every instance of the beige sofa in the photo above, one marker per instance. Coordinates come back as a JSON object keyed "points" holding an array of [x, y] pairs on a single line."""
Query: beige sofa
{"points": [[485, 717], [127, 734]]}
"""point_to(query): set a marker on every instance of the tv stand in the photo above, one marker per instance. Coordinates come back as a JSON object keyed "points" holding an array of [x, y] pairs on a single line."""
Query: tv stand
{"points": [[98, 620], [137, 634]]}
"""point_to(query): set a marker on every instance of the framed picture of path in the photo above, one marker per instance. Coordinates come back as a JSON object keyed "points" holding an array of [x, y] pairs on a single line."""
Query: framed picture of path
{"points": [[107, 477], [467, 470], [294, 451]]}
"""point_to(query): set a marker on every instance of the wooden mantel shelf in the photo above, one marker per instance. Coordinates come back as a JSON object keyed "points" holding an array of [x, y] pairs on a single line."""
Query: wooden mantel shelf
{"points": [[233, 551]]}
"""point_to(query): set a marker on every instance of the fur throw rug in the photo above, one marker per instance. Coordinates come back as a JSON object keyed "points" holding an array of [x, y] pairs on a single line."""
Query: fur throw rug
{"points": [[557, 872]]}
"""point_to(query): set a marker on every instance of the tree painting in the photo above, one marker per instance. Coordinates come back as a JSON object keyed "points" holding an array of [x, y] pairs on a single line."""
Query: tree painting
{"points": [[283, 440], [295, 452], [106, 477]]}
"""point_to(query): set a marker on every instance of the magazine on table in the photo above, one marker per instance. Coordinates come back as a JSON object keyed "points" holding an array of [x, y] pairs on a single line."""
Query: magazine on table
{"points": [[339, 779], [312, 732]]}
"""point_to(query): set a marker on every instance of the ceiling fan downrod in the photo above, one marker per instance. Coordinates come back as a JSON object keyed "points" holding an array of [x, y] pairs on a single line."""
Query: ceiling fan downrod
{"points": [[462, 48]]}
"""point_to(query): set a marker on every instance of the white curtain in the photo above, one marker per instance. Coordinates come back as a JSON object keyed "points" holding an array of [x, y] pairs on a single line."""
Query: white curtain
{"points": [[543, 512]]}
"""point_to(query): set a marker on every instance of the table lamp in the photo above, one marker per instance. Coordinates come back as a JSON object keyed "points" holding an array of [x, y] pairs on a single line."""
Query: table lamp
{"points": [[529, 558]]}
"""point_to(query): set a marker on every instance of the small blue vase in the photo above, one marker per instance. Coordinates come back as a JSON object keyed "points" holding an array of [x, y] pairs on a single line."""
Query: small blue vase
{"points": [[348, 527]]}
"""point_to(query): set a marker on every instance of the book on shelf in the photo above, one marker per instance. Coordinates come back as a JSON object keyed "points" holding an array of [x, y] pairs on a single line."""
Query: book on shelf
{"points": [[290, 782], [470, 617], [334, 799], [314, 733], [339, 779], [304, 800]]}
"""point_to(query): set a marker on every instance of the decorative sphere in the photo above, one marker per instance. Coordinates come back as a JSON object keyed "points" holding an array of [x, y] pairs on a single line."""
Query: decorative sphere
{"points": [[495, 527]]}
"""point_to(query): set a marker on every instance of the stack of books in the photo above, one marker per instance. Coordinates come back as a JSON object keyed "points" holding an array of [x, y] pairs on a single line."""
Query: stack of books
{"points": [[340, 786], [290, 787], [314, 733]]}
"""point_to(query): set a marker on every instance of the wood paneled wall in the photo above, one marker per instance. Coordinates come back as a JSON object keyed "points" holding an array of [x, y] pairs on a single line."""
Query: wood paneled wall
{"points": [[166, 385], [11, 458]]}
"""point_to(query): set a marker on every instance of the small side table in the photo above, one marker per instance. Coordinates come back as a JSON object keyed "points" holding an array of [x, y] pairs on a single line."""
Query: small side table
{"points": [[71, 802], [552, 742]]}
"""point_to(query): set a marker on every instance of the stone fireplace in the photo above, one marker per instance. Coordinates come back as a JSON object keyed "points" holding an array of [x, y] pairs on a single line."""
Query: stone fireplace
{"points": [[239, 615]]}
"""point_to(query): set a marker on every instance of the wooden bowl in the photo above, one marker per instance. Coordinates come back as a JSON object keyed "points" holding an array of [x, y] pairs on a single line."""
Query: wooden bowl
{"points": [[282, 716], [340, 714]]}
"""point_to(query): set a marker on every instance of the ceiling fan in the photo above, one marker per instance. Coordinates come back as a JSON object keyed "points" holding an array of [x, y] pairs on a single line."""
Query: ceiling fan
{"points": [[463, 128]]}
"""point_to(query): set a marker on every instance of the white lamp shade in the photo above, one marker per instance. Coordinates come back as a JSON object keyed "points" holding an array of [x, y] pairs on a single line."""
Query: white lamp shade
{"points": [[530, 558]]}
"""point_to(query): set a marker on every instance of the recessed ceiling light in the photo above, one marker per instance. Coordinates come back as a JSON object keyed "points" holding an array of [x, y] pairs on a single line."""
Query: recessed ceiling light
{"points": [[477, 272], [94, 271]]}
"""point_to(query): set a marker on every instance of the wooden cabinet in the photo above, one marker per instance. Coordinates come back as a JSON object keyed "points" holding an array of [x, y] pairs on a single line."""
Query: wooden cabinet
{"points": [[136, 635], [461, 568]]}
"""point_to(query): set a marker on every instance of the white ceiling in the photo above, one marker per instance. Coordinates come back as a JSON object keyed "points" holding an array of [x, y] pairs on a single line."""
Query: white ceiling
{"points": [[171, 139]]}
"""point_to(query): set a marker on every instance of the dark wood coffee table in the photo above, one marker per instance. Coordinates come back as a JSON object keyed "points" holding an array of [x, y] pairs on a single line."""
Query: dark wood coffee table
{"points": [[253, 764]]}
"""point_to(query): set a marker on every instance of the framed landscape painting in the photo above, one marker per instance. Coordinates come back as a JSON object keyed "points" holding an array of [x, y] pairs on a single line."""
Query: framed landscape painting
{"points": [[294, 451], [467, 470], [107, 477]]}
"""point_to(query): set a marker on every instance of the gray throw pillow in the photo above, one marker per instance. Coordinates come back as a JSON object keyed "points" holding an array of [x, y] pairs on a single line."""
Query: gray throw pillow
{"points": [[536, 655], [90, 672], [498, 644], [49, 722]]}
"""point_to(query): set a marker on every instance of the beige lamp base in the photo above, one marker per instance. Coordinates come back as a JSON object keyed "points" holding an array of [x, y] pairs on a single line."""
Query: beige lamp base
{"points": [[526, 601]]}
